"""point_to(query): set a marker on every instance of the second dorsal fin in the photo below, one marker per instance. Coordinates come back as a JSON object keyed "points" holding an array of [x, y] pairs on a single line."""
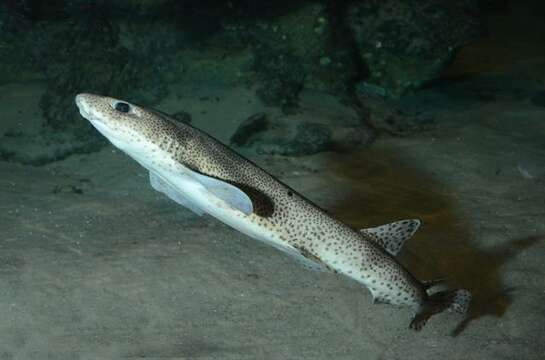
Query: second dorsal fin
{"points": [[391, 237]]}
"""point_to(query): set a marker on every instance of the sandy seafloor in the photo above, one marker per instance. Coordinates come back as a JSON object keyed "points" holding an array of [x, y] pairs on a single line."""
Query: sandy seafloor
{"points": [[96, 265]]}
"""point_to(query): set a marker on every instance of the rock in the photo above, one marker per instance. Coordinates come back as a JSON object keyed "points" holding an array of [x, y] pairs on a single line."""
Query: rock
{"points": [[15, 63], [280, 75], [252, 125], [389, 116], [14, 19], [406, 44], [303, 47], [321, 124], [88, 56], [44, 148], [182, 117], [310, 138], [123, 49], [346, 138]]}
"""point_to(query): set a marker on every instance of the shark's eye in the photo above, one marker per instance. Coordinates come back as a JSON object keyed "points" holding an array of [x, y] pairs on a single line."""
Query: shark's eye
{"points": [[122, 107]]}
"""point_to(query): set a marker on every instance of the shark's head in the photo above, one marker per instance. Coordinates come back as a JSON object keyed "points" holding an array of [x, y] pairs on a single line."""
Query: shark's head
{"points": [[119, 121], [131, 128]]}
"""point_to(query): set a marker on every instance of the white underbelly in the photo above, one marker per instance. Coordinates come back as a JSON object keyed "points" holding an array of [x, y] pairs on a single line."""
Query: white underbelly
{"points": [[246, 224], [192, 195]]}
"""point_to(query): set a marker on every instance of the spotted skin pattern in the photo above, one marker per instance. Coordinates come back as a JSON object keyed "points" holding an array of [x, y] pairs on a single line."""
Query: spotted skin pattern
{"points": [[392, 237], [288, 218]]}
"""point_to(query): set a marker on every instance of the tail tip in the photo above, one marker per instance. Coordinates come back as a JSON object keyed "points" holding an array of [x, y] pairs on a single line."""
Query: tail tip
{"points": [[461, 301], [452, 300]]}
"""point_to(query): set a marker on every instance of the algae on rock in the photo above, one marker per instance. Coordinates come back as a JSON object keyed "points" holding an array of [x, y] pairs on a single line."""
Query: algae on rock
{"points": [[406, 44], [300, 49]]}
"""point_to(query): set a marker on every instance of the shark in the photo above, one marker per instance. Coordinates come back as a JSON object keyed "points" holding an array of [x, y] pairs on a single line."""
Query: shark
{"points": [[202, 174]]}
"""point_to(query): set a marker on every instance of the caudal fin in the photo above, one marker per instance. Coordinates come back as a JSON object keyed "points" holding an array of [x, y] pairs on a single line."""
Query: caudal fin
{"points": [[453, 300]]}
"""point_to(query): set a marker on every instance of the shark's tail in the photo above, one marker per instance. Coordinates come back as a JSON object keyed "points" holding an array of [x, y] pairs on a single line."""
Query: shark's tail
{"points": [[453, 300]]}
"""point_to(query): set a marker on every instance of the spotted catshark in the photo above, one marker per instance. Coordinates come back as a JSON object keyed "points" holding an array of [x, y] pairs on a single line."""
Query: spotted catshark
{"points": [[199, 172]]}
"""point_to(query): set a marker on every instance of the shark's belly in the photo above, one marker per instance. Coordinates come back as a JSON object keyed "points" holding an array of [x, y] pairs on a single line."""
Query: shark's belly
{"points": [[250, 225], [295, 226]]}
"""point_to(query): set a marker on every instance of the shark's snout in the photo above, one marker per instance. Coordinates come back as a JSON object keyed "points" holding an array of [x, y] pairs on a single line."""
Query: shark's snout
{"points": [[87, 105], [82, 101]]}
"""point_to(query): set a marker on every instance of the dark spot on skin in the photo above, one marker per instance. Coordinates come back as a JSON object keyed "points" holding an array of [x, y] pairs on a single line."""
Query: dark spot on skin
{"points": [[290, 193], [263, 205]]}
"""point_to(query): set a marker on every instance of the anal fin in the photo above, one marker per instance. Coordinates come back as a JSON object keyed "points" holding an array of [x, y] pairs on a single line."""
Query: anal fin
{"points": [[310, 261], [302, 256]]}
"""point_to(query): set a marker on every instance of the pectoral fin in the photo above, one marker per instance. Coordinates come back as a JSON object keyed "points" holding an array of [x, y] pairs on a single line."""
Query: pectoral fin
{"points": [[218, 192], [231, 195], [162, 186]]}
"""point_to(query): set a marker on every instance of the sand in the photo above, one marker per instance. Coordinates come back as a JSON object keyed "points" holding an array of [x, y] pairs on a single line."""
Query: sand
{"points": [[96, 265]]}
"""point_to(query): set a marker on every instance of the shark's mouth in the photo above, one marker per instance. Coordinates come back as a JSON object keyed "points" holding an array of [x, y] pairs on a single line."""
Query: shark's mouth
{"points": [[88, 115], [97, 123], [85, 114], [84, 110]]}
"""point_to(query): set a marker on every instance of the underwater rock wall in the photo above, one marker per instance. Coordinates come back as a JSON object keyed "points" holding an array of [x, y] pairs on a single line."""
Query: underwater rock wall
{"points": [[407, 43], [136, 49], [15, 65]]}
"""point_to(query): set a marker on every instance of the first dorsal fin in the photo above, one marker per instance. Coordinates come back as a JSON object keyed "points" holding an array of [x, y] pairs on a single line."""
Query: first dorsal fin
{"points": [[391, 237]]}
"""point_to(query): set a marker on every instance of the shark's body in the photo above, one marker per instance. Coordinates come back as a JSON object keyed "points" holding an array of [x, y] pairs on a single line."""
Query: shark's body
{"points": [[204, 175]]}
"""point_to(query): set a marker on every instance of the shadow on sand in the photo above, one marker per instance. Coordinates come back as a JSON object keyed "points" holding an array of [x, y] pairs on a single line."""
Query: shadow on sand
{"points": [[385, 189]]}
